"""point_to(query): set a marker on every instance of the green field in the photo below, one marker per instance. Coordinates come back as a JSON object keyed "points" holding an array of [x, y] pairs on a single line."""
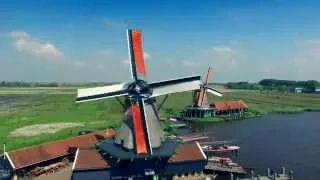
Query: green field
{"points": [[28, 106]]}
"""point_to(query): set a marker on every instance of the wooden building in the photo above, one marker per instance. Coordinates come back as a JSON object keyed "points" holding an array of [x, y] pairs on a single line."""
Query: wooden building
{"points": [[94, 164], [89, 159], [229, 107], [21, 163]]}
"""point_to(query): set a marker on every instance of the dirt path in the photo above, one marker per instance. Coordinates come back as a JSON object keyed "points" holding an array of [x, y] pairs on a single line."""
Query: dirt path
{"points": [[37, 129]]}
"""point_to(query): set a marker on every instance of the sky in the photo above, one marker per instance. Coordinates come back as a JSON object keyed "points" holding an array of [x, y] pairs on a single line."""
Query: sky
{"points": [[85, 40]]}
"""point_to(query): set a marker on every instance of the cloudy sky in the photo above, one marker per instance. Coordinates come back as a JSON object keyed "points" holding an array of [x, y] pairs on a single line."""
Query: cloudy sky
{"points": [[82, 41]]}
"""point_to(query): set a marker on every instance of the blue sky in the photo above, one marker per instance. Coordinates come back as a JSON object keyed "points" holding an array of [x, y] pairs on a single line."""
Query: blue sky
{"points": [[78, 41]]}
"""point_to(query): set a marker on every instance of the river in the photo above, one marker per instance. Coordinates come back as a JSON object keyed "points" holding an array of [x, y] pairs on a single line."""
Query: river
{"points": [[290, 140]]}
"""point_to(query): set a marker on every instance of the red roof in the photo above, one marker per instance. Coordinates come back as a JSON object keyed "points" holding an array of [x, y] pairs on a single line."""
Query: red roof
{"points": [[229, 105], [89, 159], [35, 154], [188, 152]]}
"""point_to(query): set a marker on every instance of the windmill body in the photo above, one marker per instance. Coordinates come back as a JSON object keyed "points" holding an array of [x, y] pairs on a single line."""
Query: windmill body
{"points": [[125, 135]]}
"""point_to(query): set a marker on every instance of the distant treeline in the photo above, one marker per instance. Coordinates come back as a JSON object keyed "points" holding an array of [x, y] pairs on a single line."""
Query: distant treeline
{"points": [[273, 84], [49, 84]]}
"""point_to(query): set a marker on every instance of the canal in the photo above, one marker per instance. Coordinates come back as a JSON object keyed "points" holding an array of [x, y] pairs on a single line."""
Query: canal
{"points": [[290, 140]]}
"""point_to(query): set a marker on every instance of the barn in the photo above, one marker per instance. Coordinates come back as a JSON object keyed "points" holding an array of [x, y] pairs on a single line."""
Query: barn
{"points": [[229, 107], [24, 162]]}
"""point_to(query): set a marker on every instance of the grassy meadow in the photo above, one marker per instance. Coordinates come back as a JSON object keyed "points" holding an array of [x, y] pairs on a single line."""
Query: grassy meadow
{"points": [[30, 106]]}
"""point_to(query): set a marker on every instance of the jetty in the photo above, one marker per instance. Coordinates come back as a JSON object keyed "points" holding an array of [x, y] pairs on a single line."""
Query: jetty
{"points": [[218, 167], [193, 137], [283, 175], [178, 125], [215, 142]]}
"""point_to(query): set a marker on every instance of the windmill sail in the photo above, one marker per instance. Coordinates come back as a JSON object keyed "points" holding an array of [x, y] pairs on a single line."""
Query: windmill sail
{"points": [[96, 93], [136, 54], [176, 85], [141, 134], [214, 91]]}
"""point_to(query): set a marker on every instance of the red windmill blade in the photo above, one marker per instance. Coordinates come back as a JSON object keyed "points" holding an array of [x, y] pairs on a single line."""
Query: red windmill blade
{"points": [[136, 53], [141, 136]]}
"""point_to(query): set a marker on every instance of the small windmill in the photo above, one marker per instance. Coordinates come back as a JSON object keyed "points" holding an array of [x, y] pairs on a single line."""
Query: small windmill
{"points": [[200, 96], [140, 131], [200, 108]]}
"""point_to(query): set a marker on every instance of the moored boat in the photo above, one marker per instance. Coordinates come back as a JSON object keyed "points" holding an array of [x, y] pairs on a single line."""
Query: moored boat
{"points": [[219, 149]]}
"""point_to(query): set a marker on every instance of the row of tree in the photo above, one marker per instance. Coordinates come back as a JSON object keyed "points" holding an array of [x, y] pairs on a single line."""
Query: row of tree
{"points": [[269, 84], [47, 84], [274, 84]]}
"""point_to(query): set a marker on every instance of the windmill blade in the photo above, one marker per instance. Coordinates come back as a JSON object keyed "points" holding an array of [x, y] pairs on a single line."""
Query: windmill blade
{"points": [[162, 102], [201, 97], [96, 93], [135, 53], [202, 93], [121, 103], [141, 135], [176, 85], [208, 75], [214, 91]]}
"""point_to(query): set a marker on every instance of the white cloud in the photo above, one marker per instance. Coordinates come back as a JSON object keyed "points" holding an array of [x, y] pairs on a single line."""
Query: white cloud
{"points": [[126, 62], [79, 64], [23, 42], [105, 52], [225, 57], [114, 24], [146, 56], [223, 51], [191, 64], [310, 48], [19, 35]]}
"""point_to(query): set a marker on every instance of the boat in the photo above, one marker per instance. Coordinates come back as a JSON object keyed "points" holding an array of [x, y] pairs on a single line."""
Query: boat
{"points": [[173, 119], [219, 149]]}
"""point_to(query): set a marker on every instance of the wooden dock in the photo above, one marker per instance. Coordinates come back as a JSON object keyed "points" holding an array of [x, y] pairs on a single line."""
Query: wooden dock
{"points": [[215, 142], [218, 167], [193, 138], [283, 175], [178, 125]]}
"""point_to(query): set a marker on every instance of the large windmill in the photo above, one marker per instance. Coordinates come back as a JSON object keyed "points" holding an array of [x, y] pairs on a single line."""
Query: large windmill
{"points": [[140, 134]]}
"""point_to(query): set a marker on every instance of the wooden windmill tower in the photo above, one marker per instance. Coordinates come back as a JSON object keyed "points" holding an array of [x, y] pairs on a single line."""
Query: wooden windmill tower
{"points": [[200, 96], [140, 135], [200, 107]]}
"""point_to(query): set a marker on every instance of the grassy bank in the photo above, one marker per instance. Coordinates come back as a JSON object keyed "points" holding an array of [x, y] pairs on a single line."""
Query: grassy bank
{"points": [[45, 105], [260, 103]]}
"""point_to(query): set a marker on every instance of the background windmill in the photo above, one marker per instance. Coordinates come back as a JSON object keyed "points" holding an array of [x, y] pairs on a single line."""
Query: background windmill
{"points": [[200, 96], [200, 107], [140, 130]]}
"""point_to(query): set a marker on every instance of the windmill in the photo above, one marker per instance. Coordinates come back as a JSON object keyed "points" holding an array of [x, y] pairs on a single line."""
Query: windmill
{"points": [[200, 107], [140, 131], [200, 95]]}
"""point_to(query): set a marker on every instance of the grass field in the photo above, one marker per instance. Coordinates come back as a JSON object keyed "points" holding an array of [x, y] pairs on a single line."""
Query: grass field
{"points": [[31, 106]]}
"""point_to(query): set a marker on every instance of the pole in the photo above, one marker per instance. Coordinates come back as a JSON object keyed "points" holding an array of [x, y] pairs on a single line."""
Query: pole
{"points": [[231, 176], [4, 151]]}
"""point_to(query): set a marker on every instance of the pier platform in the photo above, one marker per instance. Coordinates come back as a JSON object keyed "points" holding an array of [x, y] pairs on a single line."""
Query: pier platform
{"points": [[218, 167]]}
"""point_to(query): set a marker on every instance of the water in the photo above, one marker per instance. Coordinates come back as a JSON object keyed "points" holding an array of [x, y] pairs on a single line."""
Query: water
{"points": [[276, 140]]}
